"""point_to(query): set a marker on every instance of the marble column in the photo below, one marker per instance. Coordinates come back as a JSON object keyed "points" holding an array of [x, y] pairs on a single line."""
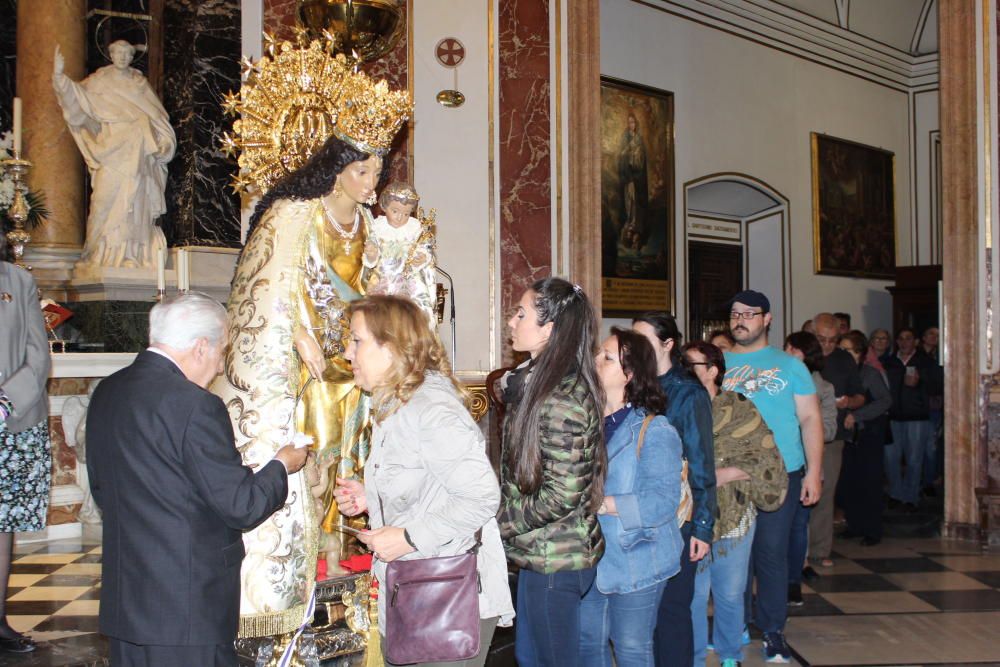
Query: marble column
{"points": [[525, 148], [395, 69], [201, 63], [280, 17], [964, 440], [583, 27], [58, 170], [8, 61]]}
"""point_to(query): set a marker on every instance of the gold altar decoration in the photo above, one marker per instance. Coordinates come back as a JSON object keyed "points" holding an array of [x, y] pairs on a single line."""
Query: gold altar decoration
{"points": [[366, 29], [294, 98], [479, 402], [19, 208]]}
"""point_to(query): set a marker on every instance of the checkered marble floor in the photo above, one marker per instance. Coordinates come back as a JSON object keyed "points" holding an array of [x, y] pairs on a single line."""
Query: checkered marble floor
{"points": [[903, 602], [53, 595]]}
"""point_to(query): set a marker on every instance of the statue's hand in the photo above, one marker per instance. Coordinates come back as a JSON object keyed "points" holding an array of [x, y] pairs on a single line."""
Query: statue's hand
{"points": [[371, 253], [310, 353], [58, 62]]}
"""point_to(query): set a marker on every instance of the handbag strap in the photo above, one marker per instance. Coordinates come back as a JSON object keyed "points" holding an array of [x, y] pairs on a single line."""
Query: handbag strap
{"points": [[642, 434]]}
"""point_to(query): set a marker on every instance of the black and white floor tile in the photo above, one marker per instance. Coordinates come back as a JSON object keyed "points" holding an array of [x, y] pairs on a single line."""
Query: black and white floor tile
{"points": [[902, 602]]}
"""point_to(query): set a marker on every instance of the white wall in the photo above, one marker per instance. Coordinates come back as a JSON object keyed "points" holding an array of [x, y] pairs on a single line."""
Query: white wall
{"points": [[763, 270], [743, 107], [251, 36], [451, 167], [925, 123]]}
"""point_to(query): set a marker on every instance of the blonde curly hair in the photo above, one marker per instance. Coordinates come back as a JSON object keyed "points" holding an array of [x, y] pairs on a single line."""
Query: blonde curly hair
{"points": [[416, 350]]}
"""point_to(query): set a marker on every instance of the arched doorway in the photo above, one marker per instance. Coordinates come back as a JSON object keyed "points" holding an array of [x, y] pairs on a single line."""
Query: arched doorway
{"points": [[736, 237]]}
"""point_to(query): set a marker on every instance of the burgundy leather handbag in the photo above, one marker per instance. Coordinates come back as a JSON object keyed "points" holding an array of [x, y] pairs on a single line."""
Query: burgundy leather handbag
{"points": [[432, 608]]}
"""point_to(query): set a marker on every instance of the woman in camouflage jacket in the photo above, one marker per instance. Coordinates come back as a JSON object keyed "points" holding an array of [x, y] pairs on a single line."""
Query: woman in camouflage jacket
{"points": [[553, 469]]}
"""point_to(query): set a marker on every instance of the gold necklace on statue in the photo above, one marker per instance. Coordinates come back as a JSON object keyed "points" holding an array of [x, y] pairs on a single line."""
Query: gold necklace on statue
{"points": [[348, 236]]}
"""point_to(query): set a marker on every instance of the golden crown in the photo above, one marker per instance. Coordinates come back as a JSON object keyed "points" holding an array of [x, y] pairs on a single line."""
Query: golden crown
{"points": [[294, 98], [371, 114]]}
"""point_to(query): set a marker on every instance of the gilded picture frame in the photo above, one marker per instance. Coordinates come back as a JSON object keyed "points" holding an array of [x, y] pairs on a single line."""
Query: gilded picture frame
{"points": [[854, 211], [637, 198]]}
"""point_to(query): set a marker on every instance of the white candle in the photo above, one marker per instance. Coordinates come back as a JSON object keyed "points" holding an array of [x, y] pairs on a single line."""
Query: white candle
{"points": [[181, 269], [17, 127], [161, 269]]}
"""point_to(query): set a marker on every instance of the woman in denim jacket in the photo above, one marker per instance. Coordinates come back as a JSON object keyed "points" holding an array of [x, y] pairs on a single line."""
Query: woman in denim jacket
{"points": [[639, 514]]}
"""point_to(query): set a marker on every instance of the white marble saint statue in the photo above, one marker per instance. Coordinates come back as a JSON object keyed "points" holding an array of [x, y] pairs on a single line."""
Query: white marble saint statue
{"points": [[126, 139], [74, 422]]}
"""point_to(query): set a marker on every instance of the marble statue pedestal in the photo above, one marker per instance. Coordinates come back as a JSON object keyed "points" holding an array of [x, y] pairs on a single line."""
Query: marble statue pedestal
{"points": [[210, 270], [105, 283], [111, 305]]}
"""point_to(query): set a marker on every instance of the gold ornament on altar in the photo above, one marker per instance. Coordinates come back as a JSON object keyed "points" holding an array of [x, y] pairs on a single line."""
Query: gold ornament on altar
{"points": [[369, 29], [19, 208], [297, 96]]}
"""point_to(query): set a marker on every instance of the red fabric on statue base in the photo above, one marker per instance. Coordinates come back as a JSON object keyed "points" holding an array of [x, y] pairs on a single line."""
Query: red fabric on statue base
{"points": [[361, 563]]}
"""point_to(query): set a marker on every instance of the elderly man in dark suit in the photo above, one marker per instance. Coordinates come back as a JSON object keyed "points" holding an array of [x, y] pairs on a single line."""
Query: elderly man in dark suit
{"points": [[175, 496]]}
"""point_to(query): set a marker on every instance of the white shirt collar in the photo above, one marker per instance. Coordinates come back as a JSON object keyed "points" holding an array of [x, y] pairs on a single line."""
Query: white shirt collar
{"points": [[162, 353]]}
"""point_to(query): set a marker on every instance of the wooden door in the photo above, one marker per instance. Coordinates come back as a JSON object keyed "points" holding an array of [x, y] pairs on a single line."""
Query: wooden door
{"points": [[715, 274]]}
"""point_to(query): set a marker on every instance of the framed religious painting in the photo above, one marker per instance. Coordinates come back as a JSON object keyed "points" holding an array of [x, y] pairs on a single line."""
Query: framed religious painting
{"points": [[637, 198], [854, 211]]}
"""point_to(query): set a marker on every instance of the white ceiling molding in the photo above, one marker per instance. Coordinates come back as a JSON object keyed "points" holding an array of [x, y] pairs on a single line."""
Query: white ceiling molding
{"points": [[918, 31], [794, 32], [843, 9]]}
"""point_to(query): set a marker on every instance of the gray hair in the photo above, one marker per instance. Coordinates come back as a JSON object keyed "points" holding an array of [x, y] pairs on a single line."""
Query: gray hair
{"points": [[180, 321]]}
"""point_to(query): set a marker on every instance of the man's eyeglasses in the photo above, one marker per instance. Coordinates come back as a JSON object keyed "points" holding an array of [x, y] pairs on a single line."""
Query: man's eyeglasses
{"points": [[748, 315]]}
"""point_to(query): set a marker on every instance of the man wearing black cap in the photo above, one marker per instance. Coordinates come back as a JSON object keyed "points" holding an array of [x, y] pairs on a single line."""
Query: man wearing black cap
{"points": [[782, 389]]}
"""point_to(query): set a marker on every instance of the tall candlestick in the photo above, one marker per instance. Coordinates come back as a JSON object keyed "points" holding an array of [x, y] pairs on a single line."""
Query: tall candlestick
{"points": [[161, 270], [17, 127]]}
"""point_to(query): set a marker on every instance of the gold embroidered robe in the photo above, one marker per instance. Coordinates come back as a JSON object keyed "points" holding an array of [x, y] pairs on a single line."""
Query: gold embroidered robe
{"points": [[295, 271]]}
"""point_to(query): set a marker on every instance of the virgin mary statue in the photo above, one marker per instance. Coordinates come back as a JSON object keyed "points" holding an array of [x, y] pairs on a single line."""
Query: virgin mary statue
{"points": [[285, 372]]}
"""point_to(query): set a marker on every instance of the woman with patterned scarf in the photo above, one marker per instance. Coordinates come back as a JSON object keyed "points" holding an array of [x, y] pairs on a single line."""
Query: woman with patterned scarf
{"points": [[750, 476]]}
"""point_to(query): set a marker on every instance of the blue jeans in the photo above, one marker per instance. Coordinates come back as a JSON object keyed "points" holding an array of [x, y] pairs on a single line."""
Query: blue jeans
{"points": [[909, 440], [726, 578], [673, 639], [548, 617], [798, 541], [627, 619], [770, 559]]}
